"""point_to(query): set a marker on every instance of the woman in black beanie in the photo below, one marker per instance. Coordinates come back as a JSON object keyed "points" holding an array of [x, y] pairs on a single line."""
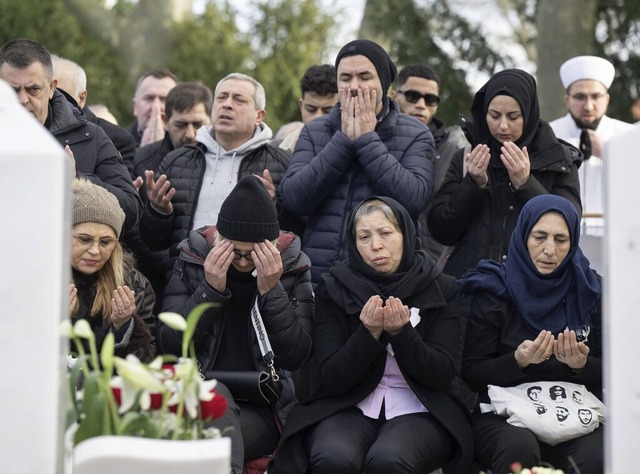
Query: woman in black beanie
{"points": [[242, 263]]}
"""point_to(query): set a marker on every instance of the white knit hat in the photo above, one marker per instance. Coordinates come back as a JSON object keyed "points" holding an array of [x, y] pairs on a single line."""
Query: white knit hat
{"points": [[587, 67]]}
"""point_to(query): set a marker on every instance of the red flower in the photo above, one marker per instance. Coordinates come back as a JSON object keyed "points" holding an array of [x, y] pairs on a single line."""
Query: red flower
{"points": [[214, 408]]}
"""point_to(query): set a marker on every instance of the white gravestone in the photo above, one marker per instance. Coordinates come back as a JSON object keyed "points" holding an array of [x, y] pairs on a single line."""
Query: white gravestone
{"points": [[35, 202], [622, 303]]}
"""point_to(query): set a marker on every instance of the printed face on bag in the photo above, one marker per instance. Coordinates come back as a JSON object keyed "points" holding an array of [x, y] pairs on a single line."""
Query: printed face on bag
{"points": [[549, 242], [534, 393], [585, 416], [577, 397], [541, 409], [562, 413], [557, 392]]}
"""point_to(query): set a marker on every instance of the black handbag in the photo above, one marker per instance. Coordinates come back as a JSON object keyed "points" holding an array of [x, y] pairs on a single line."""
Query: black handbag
{"points": [[260, 388], [255, 387]]}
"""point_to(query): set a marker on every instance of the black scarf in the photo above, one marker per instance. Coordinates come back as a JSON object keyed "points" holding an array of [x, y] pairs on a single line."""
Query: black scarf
{"points": [[351, 283]]}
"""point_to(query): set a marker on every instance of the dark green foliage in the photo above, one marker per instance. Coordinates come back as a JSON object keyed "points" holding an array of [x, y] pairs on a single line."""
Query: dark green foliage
{"points": [[618, 39], [49, 23]]}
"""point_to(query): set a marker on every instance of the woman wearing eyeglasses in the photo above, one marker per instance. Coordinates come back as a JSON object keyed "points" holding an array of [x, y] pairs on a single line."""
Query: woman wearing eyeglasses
{"points": [[107, 291], [514, 156]]}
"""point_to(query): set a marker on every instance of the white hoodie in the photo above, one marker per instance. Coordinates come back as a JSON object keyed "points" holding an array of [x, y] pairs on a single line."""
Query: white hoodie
{"points": [[221, 172]]}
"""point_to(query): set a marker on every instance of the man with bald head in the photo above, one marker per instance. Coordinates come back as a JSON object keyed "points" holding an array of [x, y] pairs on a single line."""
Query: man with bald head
{"points": [[26, 65], [72, 82]]}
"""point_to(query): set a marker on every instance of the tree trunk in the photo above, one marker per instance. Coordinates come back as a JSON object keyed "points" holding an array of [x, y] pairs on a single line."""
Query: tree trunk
{"points": [[143, 40], [565, 29]]}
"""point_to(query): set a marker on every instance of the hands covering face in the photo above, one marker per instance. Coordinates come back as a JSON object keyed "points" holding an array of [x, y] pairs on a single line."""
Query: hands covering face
{"points": [[265, 256], [565, 348], [358, 107], [378, 316]]}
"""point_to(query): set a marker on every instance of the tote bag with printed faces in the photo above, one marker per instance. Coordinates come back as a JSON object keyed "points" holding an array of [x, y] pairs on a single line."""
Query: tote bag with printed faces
{"points": [[554, 411]]}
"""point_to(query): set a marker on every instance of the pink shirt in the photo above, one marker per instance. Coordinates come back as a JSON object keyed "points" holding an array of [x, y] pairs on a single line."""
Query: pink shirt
{"points": [[398, 397]]}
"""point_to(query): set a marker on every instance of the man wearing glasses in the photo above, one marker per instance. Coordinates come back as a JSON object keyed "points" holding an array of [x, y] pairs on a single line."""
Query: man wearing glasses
{"points": [[417, 92], [586, 80]]}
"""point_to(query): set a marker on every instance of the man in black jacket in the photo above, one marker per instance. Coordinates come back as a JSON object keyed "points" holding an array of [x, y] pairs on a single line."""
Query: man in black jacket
{"points": [[417, 92], [188, 189], [72, 82], [187, 109], [26, 66]]}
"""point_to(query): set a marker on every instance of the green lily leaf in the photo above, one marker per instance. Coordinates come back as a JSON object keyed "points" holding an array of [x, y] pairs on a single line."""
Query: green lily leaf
{"points": [[192, 321], [106, 354], [94, 408]]}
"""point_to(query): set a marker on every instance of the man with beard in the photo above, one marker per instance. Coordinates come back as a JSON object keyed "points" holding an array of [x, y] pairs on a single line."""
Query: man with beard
{"points": [[586, 80]]}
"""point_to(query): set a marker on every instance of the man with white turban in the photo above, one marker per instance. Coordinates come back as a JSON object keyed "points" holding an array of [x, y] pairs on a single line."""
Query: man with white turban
{"points": [[586, 80]]}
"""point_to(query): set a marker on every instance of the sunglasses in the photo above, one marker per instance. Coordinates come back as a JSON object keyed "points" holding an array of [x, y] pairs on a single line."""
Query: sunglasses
{"points": [[414, 96]]}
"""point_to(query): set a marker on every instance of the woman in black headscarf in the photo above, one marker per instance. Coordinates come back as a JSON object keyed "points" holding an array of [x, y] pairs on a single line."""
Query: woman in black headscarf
{"points": [[385, 331], [514, 156], [535, 318]]}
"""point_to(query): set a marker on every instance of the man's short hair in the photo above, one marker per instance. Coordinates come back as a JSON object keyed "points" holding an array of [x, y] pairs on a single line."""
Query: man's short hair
{"points": [[22, 53], [417, 70], [321, 79], [158, 74], [186, 95], [259, 97]]}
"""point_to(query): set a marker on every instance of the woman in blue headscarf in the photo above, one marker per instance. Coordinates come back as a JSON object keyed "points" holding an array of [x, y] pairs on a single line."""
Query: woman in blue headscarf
{"points": [[535, 318]]}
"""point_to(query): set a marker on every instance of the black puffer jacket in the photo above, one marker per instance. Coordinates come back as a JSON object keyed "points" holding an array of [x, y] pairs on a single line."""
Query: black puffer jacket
{"points": [[185, 169], [95, 155], [329, 174], [287, 309], [479, 222]]}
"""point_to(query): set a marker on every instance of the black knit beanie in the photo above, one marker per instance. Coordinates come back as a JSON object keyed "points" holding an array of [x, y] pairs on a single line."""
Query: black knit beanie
{"points": [[248, 214], [376, 54]]}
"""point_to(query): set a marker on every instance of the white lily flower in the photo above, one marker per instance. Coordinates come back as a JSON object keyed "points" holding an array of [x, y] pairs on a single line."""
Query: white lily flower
{"points": [[173, 320], [66, 328], [137, 373], [135, 377], [82, 329]]}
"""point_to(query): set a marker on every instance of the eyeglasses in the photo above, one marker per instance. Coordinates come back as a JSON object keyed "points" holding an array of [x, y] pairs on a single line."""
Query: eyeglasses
{"points": [[414, 96], [580, 97], [85, 242], [238, 255]]}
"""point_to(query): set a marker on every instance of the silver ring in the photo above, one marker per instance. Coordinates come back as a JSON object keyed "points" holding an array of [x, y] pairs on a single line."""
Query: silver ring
{"points": [[561, 355], [119, 311], [544, 358]]}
